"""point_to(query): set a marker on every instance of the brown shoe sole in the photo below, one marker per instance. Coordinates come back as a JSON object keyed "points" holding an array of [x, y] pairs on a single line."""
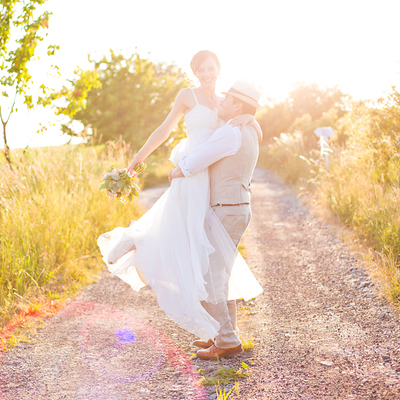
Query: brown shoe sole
{"points": [[202, 347], [230, 354]]}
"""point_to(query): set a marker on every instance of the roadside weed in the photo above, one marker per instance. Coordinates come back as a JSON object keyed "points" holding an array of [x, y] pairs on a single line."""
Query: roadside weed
{"points": [[224, 376], [248, 345], [244, 365], [242, 250], [236, 388], [222, 396]]}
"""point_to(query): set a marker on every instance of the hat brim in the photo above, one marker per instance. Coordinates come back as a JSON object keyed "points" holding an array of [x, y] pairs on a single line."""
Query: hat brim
{"points": [[244, 98]]}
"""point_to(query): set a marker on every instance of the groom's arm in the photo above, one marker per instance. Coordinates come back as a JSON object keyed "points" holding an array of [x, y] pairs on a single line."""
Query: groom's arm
{"points": [[224, 142]]}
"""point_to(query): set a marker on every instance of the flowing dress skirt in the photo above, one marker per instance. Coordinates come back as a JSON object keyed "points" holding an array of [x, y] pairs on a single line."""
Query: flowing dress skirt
{"points": [[173, 242]]}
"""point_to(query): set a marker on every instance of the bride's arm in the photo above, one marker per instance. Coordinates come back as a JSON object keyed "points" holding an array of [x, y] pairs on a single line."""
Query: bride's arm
{"points": [[245, 119], [162, 133]]}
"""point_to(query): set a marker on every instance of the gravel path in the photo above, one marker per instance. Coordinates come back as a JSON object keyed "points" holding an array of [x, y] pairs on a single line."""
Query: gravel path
{"points": [[321, 329]]}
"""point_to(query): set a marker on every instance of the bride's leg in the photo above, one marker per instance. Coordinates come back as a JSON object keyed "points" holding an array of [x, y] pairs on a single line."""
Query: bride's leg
{"points": [[118, 251], [141, 276]]}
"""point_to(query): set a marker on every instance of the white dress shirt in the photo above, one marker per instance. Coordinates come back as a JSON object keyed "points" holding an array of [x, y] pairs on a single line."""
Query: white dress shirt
{"points": [[224, 142]]}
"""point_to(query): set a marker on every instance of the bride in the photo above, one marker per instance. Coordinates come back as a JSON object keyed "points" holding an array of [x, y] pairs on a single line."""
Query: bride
{"points": [[169, 247]]}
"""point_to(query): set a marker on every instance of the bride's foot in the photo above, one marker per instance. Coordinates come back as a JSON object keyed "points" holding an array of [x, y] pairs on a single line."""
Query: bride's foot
{"points": [[112, 258], [203, 344]]}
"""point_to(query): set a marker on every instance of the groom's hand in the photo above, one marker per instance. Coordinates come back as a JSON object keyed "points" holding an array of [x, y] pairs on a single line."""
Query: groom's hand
{"points": [[175, 173]]}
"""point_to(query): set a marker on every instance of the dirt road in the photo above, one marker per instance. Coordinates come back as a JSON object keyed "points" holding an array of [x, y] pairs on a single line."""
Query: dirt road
{"points": [[321, 329]]}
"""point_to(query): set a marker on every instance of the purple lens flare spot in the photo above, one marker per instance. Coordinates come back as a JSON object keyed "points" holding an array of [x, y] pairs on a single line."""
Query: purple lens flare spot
{"points": [[101, 328], [125, 336], [130, 330]]}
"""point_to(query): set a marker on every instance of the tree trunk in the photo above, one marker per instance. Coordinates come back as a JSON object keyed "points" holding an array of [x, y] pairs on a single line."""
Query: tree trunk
{"points": [[6, 150]]}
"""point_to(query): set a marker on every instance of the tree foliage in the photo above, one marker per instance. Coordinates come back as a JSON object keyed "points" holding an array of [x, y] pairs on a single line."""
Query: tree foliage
{"points": [[74, 99], [304, 103], [20, 32], [310, 99], [134, 98]]}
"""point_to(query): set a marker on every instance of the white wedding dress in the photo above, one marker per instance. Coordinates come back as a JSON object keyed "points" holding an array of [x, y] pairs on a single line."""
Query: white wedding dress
{"points": [[174, 241]]}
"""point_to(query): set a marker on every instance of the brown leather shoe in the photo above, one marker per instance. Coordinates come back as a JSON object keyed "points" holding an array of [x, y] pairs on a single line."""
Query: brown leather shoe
{"points": [[203, 344], [214, 351]]}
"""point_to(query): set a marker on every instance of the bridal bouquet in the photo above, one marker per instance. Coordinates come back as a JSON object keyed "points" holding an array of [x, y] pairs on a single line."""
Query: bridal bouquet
{"points": [[119, 185]]}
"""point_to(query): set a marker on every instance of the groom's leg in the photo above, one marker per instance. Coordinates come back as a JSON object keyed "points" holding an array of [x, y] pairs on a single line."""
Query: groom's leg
{"points": [[232, 312], [235, 220], [226, 337]]}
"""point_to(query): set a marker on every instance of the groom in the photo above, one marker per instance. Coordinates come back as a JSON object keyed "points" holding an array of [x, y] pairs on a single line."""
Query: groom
{"points": [[231, 155]]}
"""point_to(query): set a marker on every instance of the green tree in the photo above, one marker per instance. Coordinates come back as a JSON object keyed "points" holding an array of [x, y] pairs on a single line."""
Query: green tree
{"points": [[304, 102], [134, 98], [74, 99], [313, 100], [274, 119], [20, 32]]}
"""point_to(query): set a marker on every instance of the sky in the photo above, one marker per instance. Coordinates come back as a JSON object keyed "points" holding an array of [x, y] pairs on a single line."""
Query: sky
{"points": [[273, 44]]}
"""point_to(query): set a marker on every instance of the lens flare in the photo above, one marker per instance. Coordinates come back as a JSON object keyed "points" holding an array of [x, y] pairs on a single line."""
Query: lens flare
{"points": [[125, 336]]}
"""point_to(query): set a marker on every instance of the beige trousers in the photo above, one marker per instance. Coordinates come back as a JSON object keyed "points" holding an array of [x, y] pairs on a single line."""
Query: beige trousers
{"points": [[235, 220]]}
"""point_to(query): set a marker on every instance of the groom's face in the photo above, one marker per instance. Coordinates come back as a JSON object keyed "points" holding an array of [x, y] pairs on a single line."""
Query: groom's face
{"points": [[228, 109]]}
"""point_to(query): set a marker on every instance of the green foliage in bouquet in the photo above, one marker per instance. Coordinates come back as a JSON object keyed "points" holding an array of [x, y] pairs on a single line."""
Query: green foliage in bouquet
{"points": [[119, 185]]}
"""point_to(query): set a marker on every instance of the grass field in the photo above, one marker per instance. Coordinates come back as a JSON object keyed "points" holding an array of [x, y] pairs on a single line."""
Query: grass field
{"points": [[51, 213]]}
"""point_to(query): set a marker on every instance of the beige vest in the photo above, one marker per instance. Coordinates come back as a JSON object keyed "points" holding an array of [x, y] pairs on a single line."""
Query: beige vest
{"points": [[230, 177]]}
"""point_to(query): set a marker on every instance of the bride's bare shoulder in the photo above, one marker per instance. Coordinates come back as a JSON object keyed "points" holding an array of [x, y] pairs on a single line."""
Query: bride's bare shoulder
{"points": [[185, 94], [185, 99]]}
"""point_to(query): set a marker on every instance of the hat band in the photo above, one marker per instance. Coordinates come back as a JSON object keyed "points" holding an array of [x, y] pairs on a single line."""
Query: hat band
{"points": [[233, 90]]}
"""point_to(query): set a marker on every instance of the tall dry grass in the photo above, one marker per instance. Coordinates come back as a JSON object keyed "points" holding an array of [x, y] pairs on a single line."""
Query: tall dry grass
{"points": [[362, 185], [289, 157], [51, 213]]}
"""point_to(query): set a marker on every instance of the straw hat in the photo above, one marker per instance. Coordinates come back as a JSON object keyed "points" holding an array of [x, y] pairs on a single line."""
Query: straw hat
{"points": [[246, 92]]}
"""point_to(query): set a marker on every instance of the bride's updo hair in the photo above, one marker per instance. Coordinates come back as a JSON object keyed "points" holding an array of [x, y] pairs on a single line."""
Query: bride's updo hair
{"points": [[202, 56]]}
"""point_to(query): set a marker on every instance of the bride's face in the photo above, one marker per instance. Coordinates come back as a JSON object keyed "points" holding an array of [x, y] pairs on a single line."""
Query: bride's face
{"points": [[207, 73]]}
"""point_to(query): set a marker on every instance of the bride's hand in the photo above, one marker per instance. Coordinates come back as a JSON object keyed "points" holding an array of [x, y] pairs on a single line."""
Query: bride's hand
{"points": [[131, 171], [248, 119], [242, 120]]}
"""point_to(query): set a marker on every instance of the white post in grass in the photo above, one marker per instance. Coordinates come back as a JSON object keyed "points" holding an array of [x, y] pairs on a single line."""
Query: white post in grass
{"points": [[324, 133]]}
